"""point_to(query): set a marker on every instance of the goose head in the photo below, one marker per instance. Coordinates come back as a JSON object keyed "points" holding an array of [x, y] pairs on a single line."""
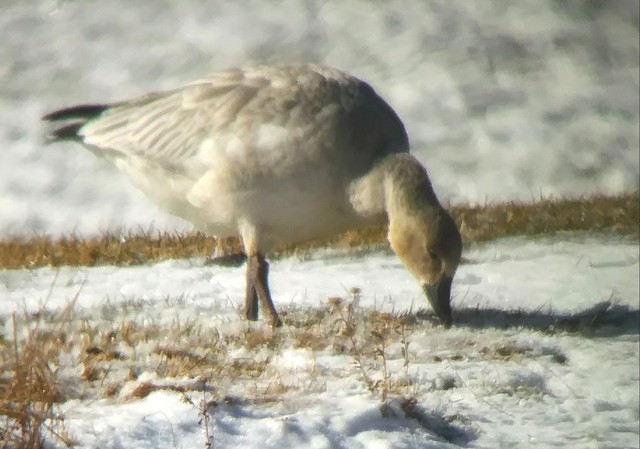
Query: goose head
{"points": [[430, 246], [421, 232]]}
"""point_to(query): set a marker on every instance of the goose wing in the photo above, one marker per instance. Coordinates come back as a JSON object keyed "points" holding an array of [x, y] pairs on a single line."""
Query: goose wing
{"points": [[169, 127]]}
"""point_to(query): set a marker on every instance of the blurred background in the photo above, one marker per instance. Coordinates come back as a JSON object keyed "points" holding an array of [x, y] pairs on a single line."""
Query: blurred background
{"points": [[502, 100]]}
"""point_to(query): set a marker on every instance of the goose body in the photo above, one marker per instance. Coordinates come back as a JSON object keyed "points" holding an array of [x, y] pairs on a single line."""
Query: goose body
{"points": [[275, 154]]}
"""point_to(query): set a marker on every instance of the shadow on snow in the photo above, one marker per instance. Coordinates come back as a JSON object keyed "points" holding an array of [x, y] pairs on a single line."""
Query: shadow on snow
{"points": [[605, 319]]}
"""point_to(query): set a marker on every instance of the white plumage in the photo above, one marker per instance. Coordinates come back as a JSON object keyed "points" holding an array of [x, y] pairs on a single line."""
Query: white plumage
{"points": [[277, 154]]}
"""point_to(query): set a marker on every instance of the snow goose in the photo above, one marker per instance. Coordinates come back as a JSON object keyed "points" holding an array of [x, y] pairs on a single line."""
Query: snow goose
{"points": [[275, 154]]}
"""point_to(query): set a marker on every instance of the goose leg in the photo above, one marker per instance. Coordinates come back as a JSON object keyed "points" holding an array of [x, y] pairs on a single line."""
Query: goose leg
{"points": [[258, 290], [251, 295]]}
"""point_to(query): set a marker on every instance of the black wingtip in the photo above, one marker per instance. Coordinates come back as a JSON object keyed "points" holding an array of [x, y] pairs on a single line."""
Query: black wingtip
{"points": [[76, 117], [82, 111], [66, 132]]}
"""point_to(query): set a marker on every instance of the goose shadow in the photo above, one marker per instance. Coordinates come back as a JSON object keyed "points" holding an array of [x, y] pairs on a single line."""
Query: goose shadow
{"points": [[605, 319]]}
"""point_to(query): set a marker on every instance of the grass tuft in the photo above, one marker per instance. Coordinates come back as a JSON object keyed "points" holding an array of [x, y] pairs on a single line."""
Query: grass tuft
{"points": [[29, 391]]}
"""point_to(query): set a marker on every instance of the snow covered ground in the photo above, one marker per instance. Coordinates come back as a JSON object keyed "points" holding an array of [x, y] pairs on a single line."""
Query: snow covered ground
{"points": [[540, 97], [507, 375]]}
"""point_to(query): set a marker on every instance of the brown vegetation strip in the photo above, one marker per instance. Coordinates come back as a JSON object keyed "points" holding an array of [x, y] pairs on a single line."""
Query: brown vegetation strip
{"points": [[617, 214]]}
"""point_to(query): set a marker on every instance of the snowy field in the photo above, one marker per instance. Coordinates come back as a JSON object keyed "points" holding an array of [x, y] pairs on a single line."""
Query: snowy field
{"points": [[537, 98], [511, 373]]}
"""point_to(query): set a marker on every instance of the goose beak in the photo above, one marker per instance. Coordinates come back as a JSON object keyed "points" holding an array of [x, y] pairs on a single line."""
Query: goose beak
{"points": [[439, 296]]}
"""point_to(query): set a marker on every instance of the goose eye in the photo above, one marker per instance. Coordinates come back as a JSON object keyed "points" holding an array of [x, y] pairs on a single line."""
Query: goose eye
{"points": [[433, 254]]}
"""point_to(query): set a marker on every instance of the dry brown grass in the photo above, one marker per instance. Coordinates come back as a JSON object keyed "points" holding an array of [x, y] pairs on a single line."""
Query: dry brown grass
{"points": [[619, 214], [29, 390], [50, 358]]}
